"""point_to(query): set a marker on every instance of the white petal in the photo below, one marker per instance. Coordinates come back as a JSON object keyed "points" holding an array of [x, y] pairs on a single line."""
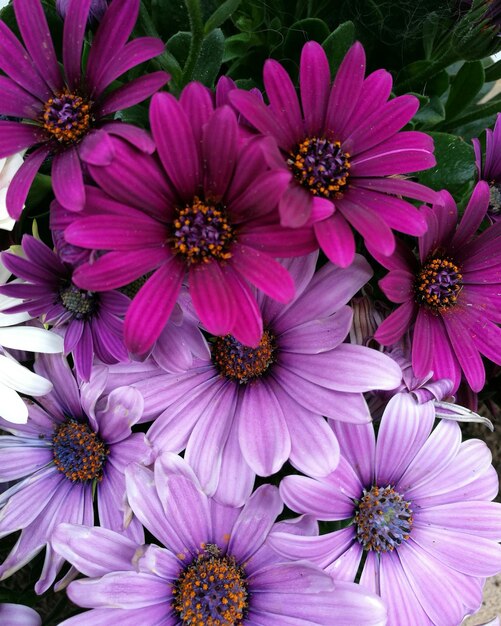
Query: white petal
{"points": [[12, 408], [17, 377], [31, 339]]}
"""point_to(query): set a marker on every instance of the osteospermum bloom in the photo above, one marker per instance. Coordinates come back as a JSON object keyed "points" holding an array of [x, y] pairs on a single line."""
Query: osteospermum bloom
{"points": [[490, 169], [451, 294], [344, 150], [92, 323], [206, 210], [69, 118], [245, 411], [77, 441], [215, 567], [422, 522]]}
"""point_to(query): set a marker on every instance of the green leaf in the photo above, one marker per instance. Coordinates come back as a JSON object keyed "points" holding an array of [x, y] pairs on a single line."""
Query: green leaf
{"points": [[179, 46], [237, 46], [431, 114], [210, 58], [455, 164], [309, 29], [479, 112], [493, 72], [464, 87], [438, 84], [221, 14], [338, 43], [430, 30]]}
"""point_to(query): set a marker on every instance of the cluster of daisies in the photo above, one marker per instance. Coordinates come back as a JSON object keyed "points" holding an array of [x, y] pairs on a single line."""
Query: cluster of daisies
{"points": [[196, 332]]}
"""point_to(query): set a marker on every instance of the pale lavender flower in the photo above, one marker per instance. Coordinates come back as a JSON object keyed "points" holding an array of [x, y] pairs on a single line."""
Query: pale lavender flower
{"points": [[18, 615], [172, 585]]}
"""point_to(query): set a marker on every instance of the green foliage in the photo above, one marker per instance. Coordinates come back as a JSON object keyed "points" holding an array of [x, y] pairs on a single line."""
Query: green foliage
{"points": [[337, 44]]}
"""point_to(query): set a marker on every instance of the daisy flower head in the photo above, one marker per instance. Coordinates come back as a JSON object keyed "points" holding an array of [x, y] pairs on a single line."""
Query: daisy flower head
{"points": [[204, 212], [489, 168], [243, 411], [92, 323], [213, 566], [422, 522], [8, 168], [68, 117], [77, 441], [450, 296], [344, 147]]}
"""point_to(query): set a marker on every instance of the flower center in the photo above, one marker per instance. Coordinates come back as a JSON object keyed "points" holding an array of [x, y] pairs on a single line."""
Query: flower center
{"points": [[202, 233], [321, 166], [494, 209], [212, 591], [438, 284], [242, 363], [79, 453], [383, 519], [67, 117], [79, 302]]}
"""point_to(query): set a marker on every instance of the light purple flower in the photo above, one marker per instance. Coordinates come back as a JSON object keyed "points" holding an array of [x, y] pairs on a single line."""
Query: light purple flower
{"points": [[450, 296], [345, 149], [165, 585], [92, 322], [422, 521], [491, 170], [76, 441], [18, 615], [205, 211], [245, 411], [68, 117]]}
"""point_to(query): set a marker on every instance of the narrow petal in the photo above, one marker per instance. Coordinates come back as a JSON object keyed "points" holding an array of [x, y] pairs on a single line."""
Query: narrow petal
{"points": [[17, 102], [132, 93], [335, 237], [396, 324], [73, 36], [154, 302], [96, 148], [220, 151], [314, 79], [295, 206], [283, 100], [67, 180], [473, 215], [17, 136]]}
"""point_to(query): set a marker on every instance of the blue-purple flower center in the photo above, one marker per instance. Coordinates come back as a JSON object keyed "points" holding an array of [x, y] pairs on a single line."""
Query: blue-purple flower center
{"points": [[79, 452], [243, 363], [383, 519], [438, 284], [320, 166], [211, 591], [201, 233], [67, 117], [494, 209], [81, 303]]}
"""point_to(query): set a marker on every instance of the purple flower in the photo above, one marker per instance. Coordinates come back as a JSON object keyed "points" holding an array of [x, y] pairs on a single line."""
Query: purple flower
{"points": [[245, 411], [451, 294], [344, 150], [66, 118], [215, 569], [92, 321], [491, 171], [206, 210], [422, 520], [75, 440], [96, 11]]}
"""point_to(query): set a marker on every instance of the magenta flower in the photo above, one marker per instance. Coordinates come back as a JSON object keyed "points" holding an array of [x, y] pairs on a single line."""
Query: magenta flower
{"points": [[423, 524], [245, 411], [69, 118], [491, 170], [206, 210], [344, 150], [215, 569], [76, 441], [92, 322], [451, 294]]}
